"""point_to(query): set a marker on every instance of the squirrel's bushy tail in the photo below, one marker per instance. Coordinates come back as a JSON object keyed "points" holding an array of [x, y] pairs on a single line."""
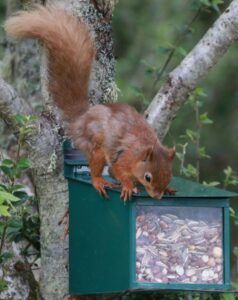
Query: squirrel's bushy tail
{"points": [[70, 53]]}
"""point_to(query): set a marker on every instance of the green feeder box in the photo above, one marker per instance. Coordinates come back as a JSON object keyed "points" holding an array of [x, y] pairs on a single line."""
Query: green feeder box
{"points": [[181, 242]]}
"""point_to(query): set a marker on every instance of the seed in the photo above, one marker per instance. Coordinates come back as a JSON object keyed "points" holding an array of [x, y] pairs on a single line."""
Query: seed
{"points": [[163, 225], [174, 250], [211, 262], [190, 272], [205, 275], [217, 252], [138, 233], [164, 271], [205, 258], [179, 270], [194, 278]]}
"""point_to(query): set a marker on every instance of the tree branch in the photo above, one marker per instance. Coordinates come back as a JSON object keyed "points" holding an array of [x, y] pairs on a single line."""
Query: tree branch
{"points": [[183, 79], [11, 104]]}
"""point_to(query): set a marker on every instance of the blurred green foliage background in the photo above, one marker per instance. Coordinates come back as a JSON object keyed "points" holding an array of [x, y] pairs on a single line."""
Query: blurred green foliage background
{"points": [[144, 32]]}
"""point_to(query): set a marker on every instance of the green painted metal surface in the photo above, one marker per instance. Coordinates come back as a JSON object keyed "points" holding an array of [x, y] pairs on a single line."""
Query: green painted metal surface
{"points": [[102, 232], [98, 242]]}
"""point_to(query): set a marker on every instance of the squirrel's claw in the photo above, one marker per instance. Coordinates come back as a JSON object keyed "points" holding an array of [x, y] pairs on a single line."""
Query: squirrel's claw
{"points": [[170, 191], [127, 191], [102, 192], [126, 194], [99, 183]]}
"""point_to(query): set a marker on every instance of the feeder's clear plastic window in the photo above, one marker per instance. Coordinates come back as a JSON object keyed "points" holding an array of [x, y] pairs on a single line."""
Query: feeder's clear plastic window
{"points": [[179, 245]]}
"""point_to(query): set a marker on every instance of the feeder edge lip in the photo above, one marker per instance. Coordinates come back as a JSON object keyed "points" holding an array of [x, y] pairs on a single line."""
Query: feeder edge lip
{"points": [[185, 188], [201, 192]]}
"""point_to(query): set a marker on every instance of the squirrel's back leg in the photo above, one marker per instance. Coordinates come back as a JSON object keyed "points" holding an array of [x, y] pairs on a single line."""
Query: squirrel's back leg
{"points": [[97, 162]]}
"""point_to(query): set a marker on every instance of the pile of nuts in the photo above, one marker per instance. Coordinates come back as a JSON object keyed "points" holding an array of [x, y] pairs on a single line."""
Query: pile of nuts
{"points": [[172, 249]]}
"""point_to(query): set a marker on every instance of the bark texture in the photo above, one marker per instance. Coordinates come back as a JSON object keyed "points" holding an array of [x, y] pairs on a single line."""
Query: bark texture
{"points": [[182, 80], [20, 65], [11, 104]]}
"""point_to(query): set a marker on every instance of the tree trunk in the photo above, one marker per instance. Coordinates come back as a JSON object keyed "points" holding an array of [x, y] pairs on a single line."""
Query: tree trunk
{"points": [[51, 187]]}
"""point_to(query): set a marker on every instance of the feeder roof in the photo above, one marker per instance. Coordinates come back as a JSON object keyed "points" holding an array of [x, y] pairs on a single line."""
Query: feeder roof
{"points": [[191, 189]]}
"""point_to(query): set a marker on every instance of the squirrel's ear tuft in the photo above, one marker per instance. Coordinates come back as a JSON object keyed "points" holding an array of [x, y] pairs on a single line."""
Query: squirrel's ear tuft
{"points": [[171, 153], [146, 153]]}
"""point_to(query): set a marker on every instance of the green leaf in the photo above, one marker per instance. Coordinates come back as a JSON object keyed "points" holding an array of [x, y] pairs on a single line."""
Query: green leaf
{"points": [[17, 187], [20, 119], [4, 211], [235, 251], [23, 164], [232, 212], [3, 187], [181, 51], [8, 171], [233, 181], [8, 196], [199, 92], [217, 2], [7, 162], [215, 5], [190, 171], [192, 135], [22, 196], [202, 152], [228, 171], [3, 285], [6, 255], [211, 184], [179, 155], [15, 223], [204, 119], [164, 50], [205, 2]]}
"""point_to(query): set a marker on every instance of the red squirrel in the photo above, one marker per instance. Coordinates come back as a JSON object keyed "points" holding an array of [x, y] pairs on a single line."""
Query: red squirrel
{"points": [[114, 134]]}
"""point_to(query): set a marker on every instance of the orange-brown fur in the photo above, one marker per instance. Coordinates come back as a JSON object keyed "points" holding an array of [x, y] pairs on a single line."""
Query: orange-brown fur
{"points": [[114, 133]]}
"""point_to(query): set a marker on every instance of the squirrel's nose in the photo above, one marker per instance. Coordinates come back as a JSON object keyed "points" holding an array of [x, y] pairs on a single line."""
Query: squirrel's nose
{"points": [[157, 195]]}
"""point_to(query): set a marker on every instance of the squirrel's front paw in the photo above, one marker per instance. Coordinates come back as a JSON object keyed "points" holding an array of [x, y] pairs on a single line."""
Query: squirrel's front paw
{"points": [[127, 190], [169, 191], [99, 184]]}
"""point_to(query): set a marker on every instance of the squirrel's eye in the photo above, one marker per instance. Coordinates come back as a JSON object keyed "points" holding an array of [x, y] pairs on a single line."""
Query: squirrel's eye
{"points": [[148, 177]]}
